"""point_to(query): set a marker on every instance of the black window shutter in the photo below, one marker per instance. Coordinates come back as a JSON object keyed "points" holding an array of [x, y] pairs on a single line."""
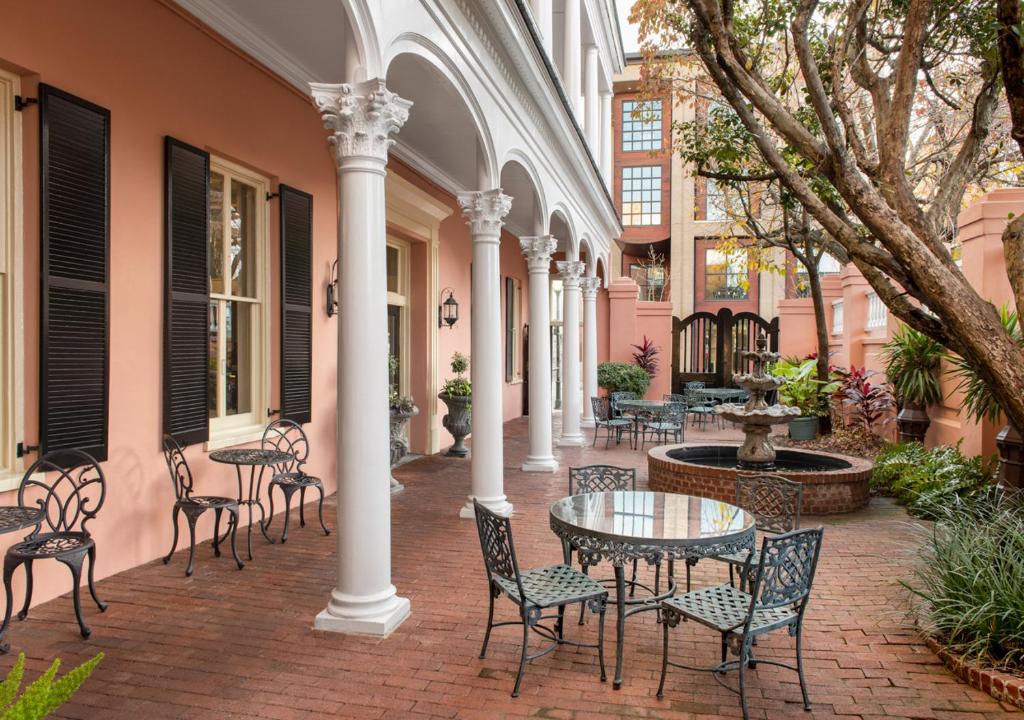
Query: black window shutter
{"points": [[187, 293], [296, 304], [75, 233]]}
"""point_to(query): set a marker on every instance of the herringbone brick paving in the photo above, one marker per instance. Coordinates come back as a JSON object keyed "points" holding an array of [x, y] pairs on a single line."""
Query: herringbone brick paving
{"points": [[227, 644]]}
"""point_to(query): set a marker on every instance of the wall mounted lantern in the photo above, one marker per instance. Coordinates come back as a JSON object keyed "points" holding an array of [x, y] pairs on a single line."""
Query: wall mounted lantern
{"points": [[332, 291], [448, 310]]}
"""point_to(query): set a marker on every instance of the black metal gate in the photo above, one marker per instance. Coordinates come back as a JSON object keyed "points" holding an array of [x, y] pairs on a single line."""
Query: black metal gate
{"points": [[709, 347]]}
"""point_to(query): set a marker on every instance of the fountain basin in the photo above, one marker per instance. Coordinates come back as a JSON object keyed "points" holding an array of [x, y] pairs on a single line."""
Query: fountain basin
{"points": [[832, 483]]}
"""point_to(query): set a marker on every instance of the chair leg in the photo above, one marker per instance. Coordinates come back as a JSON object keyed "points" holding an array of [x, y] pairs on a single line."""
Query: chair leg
{"points": [[560, 623], [632, 579], [320, 509], [287, 513], [522, 657], [74, 563], [174, 542], [234, 516], [725, 647], [583, 605], [600, 637], [800, 665], [744, 655], [664, 656], [92, 580], [270, 497], [10, 565], [302, 506], [28, 590], [216, 531], [490, 623], [192, 517]]}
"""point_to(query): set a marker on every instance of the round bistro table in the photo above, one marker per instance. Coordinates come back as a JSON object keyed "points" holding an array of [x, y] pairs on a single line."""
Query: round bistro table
{"points": [[624, 525], [12, 519], [634, 408], [254, 458]]}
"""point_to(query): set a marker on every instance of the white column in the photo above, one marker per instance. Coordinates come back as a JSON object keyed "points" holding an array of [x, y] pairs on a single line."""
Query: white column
{"points": [[485, 211], [571, 56], [571, 270], [607, 137], [588, 286], [360, 118], [538, 255], [542, 15], [591, 101]]}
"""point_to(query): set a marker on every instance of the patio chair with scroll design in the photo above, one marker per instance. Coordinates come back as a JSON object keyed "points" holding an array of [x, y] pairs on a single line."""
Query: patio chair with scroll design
{"points": [[533, 592], [69, 488], [603, 419], [699, 405], [195, 505], [288, 436], [660, 423], [781, 587]]}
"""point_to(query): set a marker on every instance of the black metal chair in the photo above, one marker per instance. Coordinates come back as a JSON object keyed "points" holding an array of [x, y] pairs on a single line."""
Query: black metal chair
{"points": [[195, 505], [603, 419], [288, 436], [781, 587], [69, 488], [533, 591]]}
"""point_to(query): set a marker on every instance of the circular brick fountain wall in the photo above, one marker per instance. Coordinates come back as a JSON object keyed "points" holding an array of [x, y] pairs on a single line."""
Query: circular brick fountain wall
{"points": [[841, 488]]}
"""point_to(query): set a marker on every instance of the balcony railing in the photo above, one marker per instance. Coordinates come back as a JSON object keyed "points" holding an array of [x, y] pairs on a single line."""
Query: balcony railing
{"points": [[837, 317], [878, 313]]}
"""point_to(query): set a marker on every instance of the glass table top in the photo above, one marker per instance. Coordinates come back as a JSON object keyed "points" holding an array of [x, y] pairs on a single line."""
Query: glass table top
{"points": [[652, 517]]}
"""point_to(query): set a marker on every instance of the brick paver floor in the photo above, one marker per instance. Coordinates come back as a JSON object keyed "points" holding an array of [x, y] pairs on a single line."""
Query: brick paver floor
{"points": [[228, 644]]}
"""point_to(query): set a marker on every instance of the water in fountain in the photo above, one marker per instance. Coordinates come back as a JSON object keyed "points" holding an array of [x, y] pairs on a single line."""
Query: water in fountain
{"points": [[756, 415]]}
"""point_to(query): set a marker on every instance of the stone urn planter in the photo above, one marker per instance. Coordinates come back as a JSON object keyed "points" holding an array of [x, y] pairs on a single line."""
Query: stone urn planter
{"points": [[913, 422], [458, 422], [400, 439], [803, 428], [1011, 459]]}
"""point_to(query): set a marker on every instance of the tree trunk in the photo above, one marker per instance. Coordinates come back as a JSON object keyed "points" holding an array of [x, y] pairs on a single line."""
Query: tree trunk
{"points": [[820, 323]]}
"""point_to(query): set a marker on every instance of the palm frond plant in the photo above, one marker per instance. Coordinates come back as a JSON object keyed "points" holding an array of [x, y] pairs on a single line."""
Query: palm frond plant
{"points": [[912, 361]]}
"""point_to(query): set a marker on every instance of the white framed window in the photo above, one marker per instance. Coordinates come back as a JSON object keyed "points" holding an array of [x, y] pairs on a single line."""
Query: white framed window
{"points": [[239, 334], [641, 195], [398, 310], [641, 125], [513, 330], [11, 319]]}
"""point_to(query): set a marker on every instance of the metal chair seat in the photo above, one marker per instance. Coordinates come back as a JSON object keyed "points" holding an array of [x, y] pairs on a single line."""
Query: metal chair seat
{"points": [[552, 586], [725, 609], [208, 501], [617, 422], [662, 426], [297, 479], [51, 545]]}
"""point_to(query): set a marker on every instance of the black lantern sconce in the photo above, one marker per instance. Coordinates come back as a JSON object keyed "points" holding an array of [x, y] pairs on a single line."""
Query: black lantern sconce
{"points": [[448, 310], [332, 291]]}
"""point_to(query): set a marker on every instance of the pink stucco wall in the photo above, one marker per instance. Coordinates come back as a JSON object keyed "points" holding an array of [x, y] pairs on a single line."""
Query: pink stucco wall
{"points": [[629, 320]]}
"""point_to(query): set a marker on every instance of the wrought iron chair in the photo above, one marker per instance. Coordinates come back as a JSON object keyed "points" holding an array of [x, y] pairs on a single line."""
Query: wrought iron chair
{"points": [[701, 407], [533, 591], [70, 499], [774, 502], [614, 398], [603, 419], [781, 587], [288, 436], [662, 422], [195, 505]]}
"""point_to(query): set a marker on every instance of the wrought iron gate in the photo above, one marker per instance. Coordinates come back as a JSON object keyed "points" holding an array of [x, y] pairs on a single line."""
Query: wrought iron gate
{"points": [[709, 347]]}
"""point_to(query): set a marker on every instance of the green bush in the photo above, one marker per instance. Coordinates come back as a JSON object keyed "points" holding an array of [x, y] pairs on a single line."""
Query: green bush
{"points": [[969, 581], [926, 480], [43, 696], [623, 377]]}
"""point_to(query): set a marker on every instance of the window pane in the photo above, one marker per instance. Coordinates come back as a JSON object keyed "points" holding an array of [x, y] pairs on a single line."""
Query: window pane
{"points": [[641, 126], [238, 331], [216, 252], [641, 195], [393, 269], [212, 356], [394, 343], [725, 276], [243, 237]]}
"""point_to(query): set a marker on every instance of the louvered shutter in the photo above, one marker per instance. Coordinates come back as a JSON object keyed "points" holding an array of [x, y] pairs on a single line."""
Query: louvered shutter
{"points": [[296, 304], [75, 233], [187, 294]]}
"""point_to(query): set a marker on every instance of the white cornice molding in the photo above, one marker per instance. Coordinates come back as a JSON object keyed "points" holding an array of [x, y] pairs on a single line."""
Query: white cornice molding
{"points": [[426, 167]]}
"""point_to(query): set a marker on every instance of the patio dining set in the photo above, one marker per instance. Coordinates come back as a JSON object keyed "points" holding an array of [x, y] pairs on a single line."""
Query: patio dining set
{"points": [[63, 491], [658, 420], [606, 519]]}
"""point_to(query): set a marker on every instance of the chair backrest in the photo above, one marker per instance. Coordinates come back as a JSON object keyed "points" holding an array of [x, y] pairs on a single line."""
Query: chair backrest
{"points": [[498, 549], [673, 398], [696, 385], [287, 436], [675, 411], [785, 570], [600, 478], [177, 466], [773, 500], [70, 492], [602, 408]]}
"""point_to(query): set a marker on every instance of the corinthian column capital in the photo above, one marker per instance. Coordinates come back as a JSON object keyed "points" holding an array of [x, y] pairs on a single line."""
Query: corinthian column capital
{"points": [[485, 210], [537, 251], [589, 287], [571, 270], [361, 117]]}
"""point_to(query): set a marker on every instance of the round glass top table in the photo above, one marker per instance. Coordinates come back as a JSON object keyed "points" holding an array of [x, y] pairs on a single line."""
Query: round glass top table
{"points": [[622, 526], [253, 458]]}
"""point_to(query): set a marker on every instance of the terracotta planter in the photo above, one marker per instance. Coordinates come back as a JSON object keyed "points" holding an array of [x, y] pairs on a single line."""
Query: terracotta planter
{"points": [[1011, 458], [803, 428], [458, 422], [913, 422]]}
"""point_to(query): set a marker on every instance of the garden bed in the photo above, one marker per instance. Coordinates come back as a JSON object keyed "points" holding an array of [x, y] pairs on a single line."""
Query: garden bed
{"points": [[1003, 686], [844, 441]]}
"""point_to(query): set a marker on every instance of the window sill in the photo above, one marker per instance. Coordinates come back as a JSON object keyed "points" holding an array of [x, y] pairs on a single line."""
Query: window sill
{"points": [[234, 436], [516, 381]]}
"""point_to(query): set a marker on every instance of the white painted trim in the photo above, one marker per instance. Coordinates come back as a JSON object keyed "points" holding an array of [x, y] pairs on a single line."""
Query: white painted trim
{"points": [[426, 168]]}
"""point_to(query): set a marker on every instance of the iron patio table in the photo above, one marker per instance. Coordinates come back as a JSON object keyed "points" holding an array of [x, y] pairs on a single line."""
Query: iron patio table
{"points": [[621, 526], [254, 458], [720, 394], [635, 407], [15, 517]]}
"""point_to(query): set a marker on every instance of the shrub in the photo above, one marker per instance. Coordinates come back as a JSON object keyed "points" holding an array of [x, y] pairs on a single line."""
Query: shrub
{"points": [[969, 579], [802, 388], [45, 694], [623, 377], [927, 480]]}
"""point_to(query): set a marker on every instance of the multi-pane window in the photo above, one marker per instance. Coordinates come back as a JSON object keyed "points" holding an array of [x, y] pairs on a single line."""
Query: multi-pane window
{"points": [[725, 275], [722, 203], [513, 322], [641, 195], [827, 265], [641, 126], [237, 287]]}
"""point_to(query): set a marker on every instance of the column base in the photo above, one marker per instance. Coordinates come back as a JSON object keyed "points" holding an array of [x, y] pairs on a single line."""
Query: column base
{"points": [[499, 505], [545, 464], [572, 440], [363, 615], [396, 487]]}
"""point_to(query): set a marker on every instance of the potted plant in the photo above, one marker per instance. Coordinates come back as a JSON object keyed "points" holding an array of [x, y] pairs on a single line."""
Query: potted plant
{"points": [[982, 404], [912, 361], [402, 408], [623, 377], [803, 390], [457, 396]]}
